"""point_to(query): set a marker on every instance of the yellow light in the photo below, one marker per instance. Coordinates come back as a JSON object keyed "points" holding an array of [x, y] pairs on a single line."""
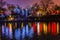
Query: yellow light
{"points": [[10, 26], [45, 28], [57, 27], [10, 18]]}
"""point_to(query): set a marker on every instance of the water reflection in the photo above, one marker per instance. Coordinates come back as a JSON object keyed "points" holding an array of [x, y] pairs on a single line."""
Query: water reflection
{"points": [[54, 28], [45, 27], [57, 27], [6, 32], [29, 30], [10, 30], [38, 28], [3, 30], [17, 34], [23, 33]]}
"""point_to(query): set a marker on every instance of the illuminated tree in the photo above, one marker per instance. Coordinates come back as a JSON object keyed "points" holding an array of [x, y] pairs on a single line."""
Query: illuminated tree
{"points": [[35, 7], [46, 3]]}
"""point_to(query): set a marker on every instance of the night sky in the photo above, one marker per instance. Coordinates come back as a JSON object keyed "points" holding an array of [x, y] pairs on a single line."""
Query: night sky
{"points": [[24, 3]]}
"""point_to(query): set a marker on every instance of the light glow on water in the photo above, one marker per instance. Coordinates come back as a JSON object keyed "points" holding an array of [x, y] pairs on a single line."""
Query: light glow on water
{"points": [[22, 25], [3, 30], [15, 25], [54, 28], [23, 33], [34, 27], [6, 31], [41, 27], [38, 28], [29, 24], [49, 27], [4, 24], [17, 34], [31, 32], [10, 27], [10, 30], [57, 27], [27, 30], [45, 28]]}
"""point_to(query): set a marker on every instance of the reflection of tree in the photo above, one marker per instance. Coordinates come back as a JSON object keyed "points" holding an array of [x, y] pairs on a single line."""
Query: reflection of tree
{"points": [[46, 3], [2, 3]]}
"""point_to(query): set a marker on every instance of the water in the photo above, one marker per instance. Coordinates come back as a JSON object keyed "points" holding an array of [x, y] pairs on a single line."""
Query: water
{"points": [[30, 31]]}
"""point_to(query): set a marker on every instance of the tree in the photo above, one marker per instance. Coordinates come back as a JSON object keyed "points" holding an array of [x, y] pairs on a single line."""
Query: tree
{"points": [[35, 7], [46, 3]]}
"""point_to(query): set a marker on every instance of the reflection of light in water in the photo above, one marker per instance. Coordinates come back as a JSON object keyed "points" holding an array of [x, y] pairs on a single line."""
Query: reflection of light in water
{"points": [[15, 25], [57, 28], [54, 28], [41, 27], [49, 26], [4, 24], [17, 34], [45, 28], [3, 30], [6, 32], [22, 25], [10, 30], [27, 31], [10, 27], [34, 27], [29, 24], [23, 33], [38, 29], [31, 32]]}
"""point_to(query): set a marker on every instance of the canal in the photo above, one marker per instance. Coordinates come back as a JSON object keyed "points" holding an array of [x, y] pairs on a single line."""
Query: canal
{"points": [[30, 31]]}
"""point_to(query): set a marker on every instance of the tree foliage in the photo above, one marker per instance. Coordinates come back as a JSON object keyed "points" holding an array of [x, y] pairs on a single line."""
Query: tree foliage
{"points": [[46, 3]]}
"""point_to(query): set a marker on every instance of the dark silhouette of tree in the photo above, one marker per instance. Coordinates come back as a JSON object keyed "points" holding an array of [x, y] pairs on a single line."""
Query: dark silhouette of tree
{"points": [[46, 3]]}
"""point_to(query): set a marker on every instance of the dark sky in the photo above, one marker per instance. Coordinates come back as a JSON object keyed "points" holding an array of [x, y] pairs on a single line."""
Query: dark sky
{"points": [[24, 3]]}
